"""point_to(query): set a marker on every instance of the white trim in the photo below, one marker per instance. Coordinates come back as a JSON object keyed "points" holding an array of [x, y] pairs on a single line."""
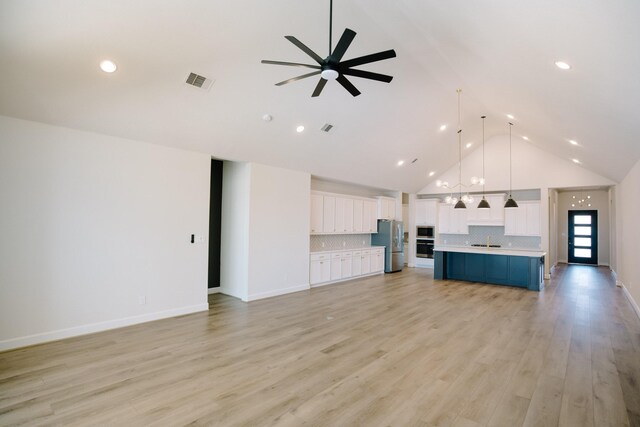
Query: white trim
{"points": [[213, 290], [91, 328], [630, 298], [277, 292], [317, 285]]}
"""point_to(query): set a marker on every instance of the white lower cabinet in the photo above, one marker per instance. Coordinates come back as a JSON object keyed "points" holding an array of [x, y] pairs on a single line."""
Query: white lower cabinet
{"points": [[330, 267], [336, 266], [319, 268], [345, 265]]}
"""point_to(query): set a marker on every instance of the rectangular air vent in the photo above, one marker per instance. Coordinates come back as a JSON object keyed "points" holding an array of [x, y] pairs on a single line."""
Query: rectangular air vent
{"points": [[199, 81], [326, 127]]}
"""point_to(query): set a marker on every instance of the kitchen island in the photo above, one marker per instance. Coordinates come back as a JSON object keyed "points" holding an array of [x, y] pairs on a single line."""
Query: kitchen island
{"points": [[497, 266]]}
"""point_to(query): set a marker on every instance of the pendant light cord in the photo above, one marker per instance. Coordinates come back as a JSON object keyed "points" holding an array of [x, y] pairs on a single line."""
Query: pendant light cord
{"points": [[510, 163], [459, 146], [330, 23], [483, 177]]}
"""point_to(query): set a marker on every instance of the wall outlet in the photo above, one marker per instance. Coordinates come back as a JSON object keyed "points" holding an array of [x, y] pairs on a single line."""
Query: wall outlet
{"points": [[445, 242], [509, 244], [344, 244], [364, 243], [142, 300], [323, 244]]}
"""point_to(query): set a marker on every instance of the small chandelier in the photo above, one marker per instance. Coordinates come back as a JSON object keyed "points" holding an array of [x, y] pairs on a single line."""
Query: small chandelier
{"points": [[582, 201], [460, 202]]}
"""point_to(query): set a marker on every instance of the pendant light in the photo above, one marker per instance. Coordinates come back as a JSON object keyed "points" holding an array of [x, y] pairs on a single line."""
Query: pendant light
{"points": [[483, 203], [510, 202], [460, 204]]}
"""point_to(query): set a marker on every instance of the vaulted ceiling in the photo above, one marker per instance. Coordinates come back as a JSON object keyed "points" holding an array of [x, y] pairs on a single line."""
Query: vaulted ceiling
{"points": [[500, 52]]}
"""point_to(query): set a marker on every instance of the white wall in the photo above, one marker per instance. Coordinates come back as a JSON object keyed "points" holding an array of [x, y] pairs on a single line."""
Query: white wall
{"points": [[92, 223], [599, 202], [280, 204], [627, 198], [532, 168], [265, 231], [234, 236]]}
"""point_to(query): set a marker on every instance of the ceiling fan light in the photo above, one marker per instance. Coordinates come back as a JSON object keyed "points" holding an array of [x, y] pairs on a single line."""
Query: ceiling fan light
{"points": [[510, 203], [329, 74]]}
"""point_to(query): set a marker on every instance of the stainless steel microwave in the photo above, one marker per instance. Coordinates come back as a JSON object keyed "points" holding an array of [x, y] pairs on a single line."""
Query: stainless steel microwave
{"points": [[425, 232]]}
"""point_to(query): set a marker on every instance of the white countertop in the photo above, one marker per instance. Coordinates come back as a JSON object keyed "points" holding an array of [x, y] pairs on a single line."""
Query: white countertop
{"points": [[361, 248], [490, 251]]}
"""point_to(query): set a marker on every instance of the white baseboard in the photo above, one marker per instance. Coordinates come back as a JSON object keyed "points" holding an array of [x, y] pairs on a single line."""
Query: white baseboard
{"points": [[634, 304], [213, 290], [317, 285], [91, 328], [277, 292]]}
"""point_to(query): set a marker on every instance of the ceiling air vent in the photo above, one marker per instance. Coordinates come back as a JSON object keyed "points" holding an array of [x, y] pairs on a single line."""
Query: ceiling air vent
{"points": [[199, 81], [326, 127]]}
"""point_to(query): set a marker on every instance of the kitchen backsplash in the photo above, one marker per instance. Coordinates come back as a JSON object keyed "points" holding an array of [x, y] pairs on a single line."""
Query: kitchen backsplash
{"points": [[479, 235], [341, 241]]}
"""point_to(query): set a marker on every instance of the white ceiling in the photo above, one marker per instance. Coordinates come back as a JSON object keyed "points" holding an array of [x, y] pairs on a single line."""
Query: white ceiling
{"points": [[500, 52]]}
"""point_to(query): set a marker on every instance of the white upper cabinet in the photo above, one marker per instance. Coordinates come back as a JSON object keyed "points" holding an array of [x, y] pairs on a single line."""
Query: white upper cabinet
{"points": [[329, 216], [337, 214], [370, 208], [386, 208], [317, 213], [452, 221], [426, 211], [492, 216], [358, 206], [524, 220]]}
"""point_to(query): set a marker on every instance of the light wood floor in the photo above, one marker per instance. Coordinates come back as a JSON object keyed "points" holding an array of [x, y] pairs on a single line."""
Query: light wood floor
{"points": [[396, 349]]}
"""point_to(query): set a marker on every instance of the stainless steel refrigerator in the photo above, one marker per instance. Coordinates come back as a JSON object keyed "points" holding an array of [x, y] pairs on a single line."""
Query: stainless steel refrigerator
{"points": [[390, 235]]}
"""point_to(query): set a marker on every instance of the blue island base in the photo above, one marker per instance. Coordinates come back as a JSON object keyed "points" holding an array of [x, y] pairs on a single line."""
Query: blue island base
{"points": [[511, 270]]}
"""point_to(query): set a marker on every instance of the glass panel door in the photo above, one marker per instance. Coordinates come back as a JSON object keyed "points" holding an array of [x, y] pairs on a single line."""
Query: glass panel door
{"points": [[583, 237]]}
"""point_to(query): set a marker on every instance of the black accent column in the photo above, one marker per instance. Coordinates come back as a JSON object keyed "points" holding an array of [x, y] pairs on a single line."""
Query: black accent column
{"points": [[215, 223]]}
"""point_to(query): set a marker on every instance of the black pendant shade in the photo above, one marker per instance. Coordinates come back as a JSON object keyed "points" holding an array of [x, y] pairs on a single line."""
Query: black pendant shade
{"points": [[483, 204], [460, 205], [510, 203]]}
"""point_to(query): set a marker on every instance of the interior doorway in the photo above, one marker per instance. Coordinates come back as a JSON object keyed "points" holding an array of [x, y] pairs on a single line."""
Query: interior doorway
{"points": [[583, 237]]}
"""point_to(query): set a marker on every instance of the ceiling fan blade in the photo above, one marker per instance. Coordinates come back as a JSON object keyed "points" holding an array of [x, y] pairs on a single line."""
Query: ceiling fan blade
{"points": [[305, 49], [374, 57], [347, 85], [304, 76], [291, 64], [343, 44], [368, 75], [319, 87]]}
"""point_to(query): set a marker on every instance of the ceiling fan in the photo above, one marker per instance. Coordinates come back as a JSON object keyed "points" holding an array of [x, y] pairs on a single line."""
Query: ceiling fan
{"points": [[332, 67]]}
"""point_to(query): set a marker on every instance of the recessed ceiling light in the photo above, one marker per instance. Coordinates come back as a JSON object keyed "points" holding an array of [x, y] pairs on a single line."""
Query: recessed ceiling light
{"points": [[575, 161], [563, 65], [400, 162], [510, 116], [526, 138], [572, 142], [267, 117], [108, 66], [300, 129], [443, 127], [432, 173], [469, 144]]}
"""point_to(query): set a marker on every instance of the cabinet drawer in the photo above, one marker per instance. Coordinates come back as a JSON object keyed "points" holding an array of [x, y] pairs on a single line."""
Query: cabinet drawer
{"points": [[379, 251], [319, 257], [345, 254], [367, 252], [336, 255]]}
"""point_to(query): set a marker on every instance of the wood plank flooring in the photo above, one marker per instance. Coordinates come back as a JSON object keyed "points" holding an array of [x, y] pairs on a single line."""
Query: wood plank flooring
{"points": [[399, 349]]}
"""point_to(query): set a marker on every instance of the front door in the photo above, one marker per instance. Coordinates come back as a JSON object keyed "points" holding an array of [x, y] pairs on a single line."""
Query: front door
{"points": [[583, 237]]}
